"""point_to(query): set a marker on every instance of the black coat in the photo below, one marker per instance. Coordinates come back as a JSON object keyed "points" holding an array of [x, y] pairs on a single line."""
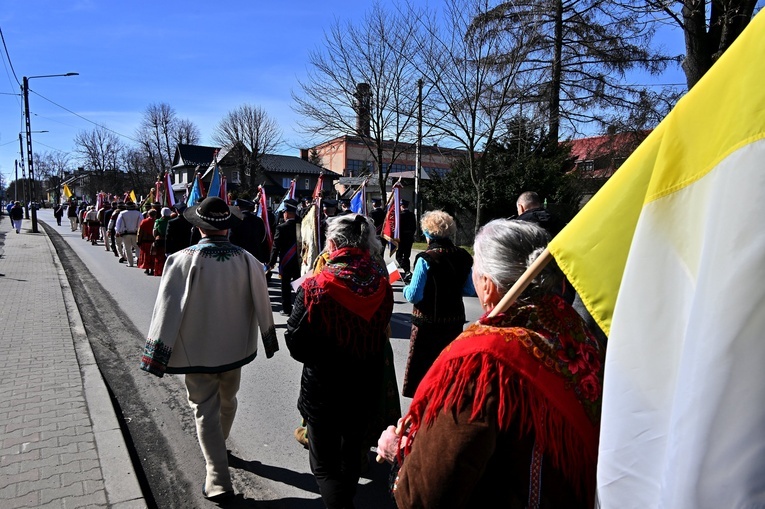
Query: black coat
{"points": [[250, 234], [285, 249], [179, 235]]}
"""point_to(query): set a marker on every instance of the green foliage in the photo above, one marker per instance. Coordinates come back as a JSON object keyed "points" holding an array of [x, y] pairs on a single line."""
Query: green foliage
{"points": [[520, 161]]}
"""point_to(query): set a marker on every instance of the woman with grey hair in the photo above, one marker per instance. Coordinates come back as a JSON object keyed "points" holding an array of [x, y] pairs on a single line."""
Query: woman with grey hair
{"points": [[338, 329], [440, 278], [509, 413]]}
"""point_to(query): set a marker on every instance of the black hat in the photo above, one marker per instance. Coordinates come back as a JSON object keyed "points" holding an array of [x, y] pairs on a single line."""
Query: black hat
{"points": [[290, 204], [212, 213], [345, 201], [329, 203], [377, 202], [404, 203], [244, 204], [130, 205], [156, 204]]}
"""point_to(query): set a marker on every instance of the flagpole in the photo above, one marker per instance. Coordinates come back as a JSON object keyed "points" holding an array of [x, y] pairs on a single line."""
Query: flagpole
{"points": [[523, 282]]}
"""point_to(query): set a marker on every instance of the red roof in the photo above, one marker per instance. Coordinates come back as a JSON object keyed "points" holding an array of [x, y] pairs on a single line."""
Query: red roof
{"points": [[606, 152]]}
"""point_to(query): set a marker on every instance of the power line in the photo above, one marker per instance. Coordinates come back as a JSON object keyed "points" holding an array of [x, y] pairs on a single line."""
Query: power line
{"points": [[83, 118], [8, 55]]}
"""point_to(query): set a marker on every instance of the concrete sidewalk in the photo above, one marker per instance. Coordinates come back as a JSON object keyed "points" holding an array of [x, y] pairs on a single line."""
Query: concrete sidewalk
{"points": [[60, 442]]}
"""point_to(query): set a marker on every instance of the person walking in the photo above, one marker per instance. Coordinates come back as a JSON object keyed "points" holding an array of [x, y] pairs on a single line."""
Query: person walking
{"points": [[339, 330], [58, 213], [17, 214], [145, 240], [285, 251], [179, 232], [158, 246], [509, 414], [212, 300], [127, 226], [94, 227], [441, 277], [71, 214], [408, 228], [250, 232]]}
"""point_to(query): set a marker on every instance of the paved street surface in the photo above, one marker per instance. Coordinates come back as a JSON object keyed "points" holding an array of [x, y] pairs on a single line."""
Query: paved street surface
{"points": [[61, 445]]}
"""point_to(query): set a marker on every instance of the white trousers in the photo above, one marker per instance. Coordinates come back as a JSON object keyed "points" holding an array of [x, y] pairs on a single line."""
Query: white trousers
{"points": [[128, 244], [212, 397]]}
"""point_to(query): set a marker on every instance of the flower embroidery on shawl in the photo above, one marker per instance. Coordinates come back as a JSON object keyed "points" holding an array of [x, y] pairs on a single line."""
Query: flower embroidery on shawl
{"points": [[561, 344]]}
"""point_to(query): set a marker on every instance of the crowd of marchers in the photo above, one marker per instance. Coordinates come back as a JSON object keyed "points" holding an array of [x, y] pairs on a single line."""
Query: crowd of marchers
{"points": [[503, 413]]}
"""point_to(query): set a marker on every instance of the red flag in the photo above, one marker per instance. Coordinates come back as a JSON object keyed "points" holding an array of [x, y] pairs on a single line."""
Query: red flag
{"points": [[263, 214], [224, 190], [391, 225], [169, 194]]}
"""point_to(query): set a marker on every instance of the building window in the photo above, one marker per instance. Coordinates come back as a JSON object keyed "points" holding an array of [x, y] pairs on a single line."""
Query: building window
{"points": [[307, 184], [286, 182], [356, 167], [588, 165], [235, 177]]}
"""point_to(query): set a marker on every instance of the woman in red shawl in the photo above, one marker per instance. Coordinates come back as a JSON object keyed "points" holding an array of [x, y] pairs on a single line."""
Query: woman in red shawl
{"points": [[145, 240], [338, 330], [509, 413]]}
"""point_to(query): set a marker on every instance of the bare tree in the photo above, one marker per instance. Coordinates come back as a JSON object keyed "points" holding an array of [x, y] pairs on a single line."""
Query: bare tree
{"points": [[160, 132], [583, 54], [50, 167], [471, 91], [709, 28], [138, 173], [250, 132], [363, 82], [100, 151], [185, 132]]}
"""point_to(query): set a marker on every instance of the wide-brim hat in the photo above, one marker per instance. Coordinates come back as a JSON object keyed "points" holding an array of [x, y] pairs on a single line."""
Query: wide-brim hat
{"points": [[290, 204], [244, 204], [212, 213]]}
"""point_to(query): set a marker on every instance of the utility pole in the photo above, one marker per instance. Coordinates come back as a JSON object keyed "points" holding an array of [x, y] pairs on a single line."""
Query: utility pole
{"points": [[16, 184], [30, 163], [418, 156], [24, 178]]}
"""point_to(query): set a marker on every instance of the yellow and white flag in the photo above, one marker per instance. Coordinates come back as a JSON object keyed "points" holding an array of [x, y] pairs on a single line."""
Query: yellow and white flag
{"points": [[67, 192], [669, 257]]}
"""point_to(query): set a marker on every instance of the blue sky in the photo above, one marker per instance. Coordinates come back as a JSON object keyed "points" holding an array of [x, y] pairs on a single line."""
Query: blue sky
{"points": [[202, 58]]}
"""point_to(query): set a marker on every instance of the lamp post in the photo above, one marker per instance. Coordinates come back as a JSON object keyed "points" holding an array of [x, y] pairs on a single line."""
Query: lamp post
{"points": [[30, 163], [418, 156]]}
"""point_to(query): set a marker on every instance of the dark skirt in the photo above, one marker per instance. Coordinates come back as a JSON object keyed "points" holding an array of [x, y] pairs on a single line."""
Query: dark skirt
{"points": [[425, 343]]}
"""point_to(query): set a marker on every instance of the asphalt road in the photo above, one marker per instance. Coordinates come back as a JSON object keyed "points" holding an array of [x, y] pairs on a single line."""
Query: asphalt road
{"points": [[269, 467]]}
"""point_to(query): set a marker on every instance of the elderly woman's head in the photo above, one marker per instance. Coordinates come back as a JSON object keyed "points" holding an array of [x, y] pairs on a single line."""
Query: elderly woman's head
{"points": [[437, 224], [352, 230], [503, 249]]}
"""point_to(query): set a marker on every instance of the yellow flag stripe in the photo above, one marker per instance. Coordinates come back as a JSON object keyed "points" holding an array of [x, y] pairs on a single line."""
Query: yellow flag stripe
{"points": [[705, 127]]}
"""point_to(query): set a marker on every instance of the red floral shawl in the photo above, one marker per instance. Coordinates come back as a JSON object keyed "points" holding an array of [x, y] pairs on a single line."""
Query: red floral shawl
{"points": [[548, 371], [350, 281]]}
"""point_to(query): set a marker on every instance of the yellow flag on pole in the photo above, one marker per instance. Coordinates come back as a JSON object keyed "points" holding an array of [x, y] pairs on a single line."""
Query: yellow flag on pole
{"points": [[669, 257], [67, 192], [132, 197]]}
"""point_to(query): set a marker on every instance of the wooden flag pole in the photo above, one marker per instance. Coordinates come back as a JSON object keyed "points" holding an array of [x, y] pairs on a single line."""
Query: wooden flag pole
{"points": [[512, 295]]}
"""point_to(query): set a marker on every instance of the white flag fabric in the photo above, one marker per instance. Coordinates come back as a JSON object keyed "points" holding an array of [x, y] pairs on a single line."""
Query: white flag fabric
{"points": [[669, 257]]}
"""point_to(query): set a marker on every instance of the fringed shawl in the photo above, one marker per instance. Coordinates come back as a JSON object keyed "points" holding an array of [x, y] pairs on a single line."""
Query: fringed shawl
{"points": [[352, 282], [547, 371]]}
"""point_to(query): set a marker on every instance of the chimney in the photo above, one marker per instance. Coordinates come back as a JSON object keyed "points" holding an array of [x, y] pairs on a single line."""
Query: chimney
{"points": [[304, 154], [362, 105]]}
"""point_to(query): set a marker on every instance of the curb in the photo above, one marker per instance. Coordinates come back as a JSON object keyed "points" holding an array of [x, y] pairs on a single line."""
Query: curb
{"points": [[120, 479]]}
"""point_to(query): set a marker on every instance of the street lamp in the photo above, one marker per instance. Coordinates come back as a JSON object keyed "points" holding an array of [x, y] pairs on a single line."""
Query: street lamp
{"points": [[30, 164]]}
